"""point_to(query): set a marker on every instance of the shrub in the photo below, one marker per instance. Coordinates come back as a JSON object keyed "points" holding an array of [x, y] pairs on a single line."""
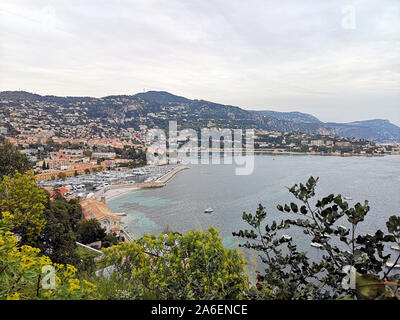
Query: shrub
{"points": [[192, 266], [21, 272], [291, 275]]}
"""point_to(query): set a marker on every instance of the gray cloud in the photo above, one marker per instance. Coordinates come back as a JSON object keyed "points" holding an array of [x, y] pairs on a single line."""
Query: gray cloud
{"points": [[255, 54]]}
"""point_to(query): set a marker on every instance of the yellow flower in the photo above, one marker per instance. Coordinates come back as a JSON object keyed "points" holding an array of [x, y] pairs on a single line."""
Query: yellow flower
{"points": [[90, 285], [73, 285], [47, 293], [15, 296], [69, 271]]}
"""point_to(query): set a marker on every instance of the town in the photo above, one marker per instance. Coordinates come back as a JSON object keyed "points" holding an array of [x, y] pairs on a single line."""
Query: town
{"points": [[301, 143]]}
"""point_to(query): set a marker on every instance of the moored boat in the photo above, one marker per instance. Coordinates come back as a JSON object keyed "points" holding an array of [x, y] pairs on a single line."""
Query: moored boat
{"points": [[316, 245], [392, 265]]}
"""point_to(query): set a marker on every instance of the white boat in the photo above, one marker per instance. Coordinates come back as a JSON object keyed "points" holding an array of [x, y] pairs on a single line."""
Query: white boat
{"points": [[286, 237], [342, 227], [391, 264], [364, 234], [316, 245], [208, 210], [395, 247], [347, 198], [120, 214]]}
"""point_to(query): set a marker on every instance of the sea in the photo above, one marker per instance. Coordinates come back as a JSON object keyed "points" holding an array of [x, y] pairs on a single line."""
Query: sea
{"points": [[180, 205]]}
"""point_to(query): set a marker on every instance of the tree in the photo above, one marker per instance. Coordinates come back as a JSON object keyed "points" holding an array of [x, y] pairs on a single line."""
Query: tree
{"points": [[21, 271], [62, 176], [12, 160], [87, 153], [57, 239], [193, 266], [110, 240], [26, 202], [75, 214], [291, 275], [90, 231], [65, 144]]}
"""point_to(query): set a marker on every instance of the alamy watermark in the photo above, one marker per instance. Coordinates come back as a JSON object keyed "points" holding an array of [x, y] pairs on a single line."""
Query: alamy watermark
{"points": [[186, 147], [49, 277], [349, 17], [349, 281]]}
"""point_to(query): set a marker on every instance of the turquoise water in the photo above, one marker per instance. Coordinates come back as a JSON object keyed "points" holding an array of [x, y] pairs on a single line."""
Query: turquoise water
{"points": [[181, 203]]}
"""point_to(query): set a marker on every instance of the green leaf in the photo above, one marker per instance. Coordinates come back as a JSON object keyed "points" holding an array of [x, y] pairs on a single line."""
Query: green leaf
{"points": [[368, 286]]}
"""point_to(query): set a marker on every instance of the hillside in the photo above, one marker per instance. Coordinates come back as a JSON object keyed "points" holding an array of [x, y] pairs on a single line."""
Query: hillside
{"points": [[376, 130], [156, 108], [290, 116]]}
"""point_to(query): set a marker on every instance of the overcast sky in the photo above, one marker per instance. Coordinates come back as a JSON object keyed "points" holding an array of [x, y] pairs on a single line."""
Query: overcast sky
{"points": [[287, 55]]}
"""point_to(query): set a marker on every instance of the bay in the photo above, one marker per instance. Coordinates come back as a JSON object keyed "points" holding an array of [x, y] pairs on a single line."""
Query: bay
{"points": [[181, 203]]}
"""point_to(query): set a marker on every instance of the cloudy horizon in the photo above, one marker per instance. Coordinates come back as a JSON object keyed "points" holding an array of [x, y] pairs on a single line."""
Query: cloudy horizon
{"points": [[338, 60]]}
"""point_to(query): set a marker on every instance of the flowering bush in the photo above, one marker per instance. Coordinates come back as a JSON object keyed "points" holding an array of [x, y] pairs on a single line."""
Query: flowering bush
{"points": [[20, 196], [192, 266], [21, 271]]}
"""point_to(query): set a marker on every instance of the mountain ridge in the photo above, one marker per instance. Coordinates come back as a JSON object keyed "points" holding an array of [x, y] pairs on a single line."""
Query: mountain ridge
{"points": [[125, 109]]}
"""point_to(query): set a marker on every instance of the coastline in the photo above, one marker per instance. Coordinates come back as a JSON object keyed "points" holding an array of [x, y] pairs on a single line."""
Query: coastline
{"points": [[281, 152], [115, 191], [269, 152]]}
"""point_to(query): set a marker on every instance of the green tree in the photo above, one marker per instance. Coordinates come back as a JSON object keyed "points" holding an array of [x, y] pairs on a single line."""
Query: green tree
{"points": [[21, 272], [57, 240], [11, 160], [62, 176], [90, 231], [110, 240], [87, 153], [75, 214], [26, 202], [291, 274], [193, 266]]}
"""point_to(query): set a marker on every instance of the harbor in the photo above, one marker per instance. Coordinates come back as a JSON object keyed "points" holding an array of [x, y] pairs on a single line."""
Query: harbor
{"points": [[116, 190], [106, 185]]}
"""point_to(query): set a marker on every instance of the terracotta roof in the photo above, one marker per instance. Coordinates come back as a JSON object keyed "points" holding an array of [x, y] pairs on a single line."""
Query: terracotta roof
{"points": [[95, 209], [62, 191]]}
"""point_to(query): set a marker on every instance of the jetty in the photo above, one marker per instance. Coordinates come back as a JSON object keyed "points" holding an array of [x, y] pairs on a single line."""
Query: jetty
{"points": [[115, 190], [164, 179]]}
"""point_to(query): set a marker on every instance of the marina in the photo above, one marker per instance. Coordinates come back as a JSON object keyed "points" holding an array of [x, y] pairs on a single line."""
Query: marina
{"points": [[112, 183]]}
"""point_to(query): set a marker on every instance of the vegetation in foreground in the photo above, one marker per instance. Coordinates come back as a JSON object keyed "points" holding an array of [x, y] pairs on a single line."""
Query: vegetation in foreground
{"points": [[292, 274], [37, 235]]}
